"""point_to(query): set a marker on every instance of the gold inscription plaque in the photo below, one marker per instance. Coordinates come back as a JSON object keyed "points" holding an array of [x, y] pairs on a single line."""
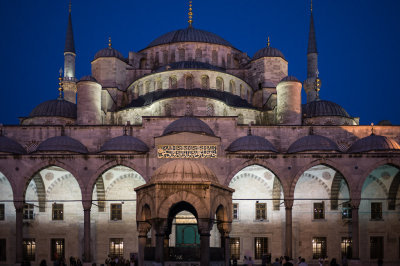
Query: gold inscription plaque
{"points": [[186, 151]]}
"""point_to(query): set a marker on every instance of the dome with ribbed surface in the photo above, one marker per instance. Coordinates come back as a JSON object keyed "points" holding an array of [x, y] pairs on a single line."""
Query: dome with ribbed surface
{"points": [[190, 65], [59, 107], [189, 34], [109, 52], [374, 143], [61, 143], [188, 124], [323, 108], [124, 143], [8, 145], [313, 143], [183, 171], [251, 143], [268, 52], [290, 78]]}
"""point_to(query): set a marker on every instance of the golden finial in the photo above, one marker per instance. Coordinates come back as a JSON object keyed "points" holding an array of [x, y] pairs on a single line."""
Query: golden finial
{"points": [[268, 42], [311, 6], [70, 6], [60, 88], [109, 41], [372, 129], [190, 14], [317, 84]]}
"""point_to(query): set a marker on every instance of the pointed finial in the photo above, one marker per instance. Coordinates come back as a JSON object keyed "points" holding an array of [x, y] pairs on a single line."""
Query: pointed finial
{"points": [[190, 14], [69, 6], [311, 6], [372, 129], [317, 84], [60, 88], [268, 42], [109, 41]]}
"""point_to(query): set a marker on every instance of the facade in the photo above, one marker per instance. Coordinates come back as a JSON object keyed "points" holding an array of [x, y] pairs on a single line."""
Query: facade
{"points": [[190, 150]]}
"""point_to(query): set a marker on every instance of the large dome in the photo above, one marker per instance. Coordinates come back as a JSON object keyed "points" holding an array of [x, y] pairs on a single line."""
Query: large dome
{"points": [[189, 34], [313, 143], [183, 171], [59, 107], [188, 124], [109, 52], [323, 108], [62, 143]]}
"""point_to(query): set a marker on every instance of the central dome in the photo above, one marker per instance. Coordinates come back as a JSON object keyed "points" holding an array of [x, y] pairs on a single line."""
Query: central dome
{"points": [[189, 34], [183, 171]]}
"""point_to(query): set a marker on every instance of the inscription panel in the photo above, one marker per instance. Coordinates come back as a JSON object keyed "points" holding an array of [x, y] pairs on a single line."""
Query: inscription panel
{"points": [[186, 151]]}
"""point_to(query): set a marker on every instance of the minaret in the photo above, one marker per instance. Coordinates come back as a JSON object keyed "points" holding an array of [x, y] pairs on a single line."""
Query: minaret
{"points": [[312, 62], [69, 80]]}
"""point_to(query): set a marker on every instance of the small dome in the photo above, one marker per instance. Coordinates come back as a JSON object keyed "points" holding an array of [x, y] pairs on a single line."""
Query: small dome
{"points": [[289, 78], [59, 107], [251, 143], [268, 52], [10, 146], [374, 143], [189, 65], [62, 143], [109, 52], [124, 143], [188, 124], [183, 171], [313, 143], [88, 78], [323, 108], [189, 34], [385, 123]]}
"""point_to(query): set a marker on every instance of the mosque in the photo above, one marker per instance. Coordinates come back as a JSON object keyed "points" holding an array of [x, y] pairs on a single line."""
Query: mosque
{"points": [[190, 152]]}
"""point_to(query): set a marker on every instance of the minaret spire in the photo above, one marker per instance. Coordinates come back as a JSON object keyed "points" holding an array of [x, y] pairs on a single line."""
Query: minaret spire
{"points": [[312, 42], [69, 39], [190, 14]]}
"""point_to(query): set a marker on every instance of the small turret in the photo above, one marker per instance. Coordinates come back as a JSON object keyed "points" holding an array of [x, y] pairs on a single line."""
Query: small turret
{"points": [[89, 101], [69, 80], [288, 109]]}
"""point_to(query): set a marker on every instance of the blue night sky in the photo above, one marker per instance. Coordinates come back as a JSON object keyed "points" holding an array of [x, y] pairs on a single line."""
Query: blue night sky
{"points": [[358, 43]]}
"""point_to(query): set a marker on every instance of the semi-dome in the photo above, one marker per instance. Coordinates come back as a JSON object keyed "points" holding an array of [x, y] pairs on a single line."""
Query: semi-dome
{"points": [[109, 52], [323, 108], [268, 52], [124, 143], [374, 143], [58, 107], [8, 145], [251, 143], [62, 143], [190, 65], [189, 34], [188, 124], [183, 171], [313, 143]]}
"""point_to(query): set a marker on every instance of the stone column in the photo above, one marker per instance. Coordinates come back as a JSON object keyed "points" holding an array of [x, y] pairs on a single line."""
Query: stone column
{"points": [[159, 227], [224, 229], [355, 229], [204, 230], [143, 228], [288, 227], [87, 205], [19, 208]]}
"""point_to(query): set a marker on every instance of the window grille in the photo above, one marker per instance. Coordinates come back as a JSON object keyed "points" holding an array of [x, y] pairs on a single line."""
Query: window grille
{"points": [[319, 247]]}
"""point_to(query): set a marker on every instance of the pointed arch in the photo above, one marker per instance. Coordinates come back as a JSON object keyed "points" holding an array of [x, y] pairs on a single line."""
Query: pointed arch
{"points": [[394, 188], [276, 194], [41, 191], [101, 194], [335, 189]]}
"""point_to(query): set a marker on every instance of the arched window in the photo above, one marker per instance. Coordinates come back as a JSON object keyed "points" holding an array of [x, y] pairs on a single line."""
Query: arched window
{"points": [[172, 55], [223, 62], [236, 63], [167, 110], [157, 60], [228, 60], [181, 54], [220, 84], [210, 110], [136, 90], [205, 82], [232, 87], [189, 82], [189, 109], [198, 54], [214, 57], [165, 57], [173, 83]]}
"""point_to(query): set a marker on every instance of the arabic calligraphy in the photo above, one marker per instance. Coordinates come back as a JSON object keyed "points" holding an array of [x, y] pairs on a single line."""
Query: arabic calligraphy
{"points": [[186, 151]]}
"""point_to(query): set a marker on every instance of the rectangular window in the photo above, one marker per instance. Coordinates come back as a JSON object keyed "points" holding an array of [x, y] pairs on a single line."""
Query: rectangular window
{"points": [[29, 249], [261, 210], [234, 247], [116, 247], [2, 216], [3, 250], [319, 210], [346, 247], [346, 211], [28, 211], [376, 247], [319, 247], [235, 211], [58, 211], [116, 212], [57, 248], [376, 210], [261, 247]]}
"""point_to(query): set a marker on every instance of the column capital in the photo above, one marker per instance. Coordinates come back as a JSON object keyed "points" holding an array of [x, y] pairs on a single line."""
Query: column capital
{"points": [[288, 203], [205, 226], [224, 228], [19, 205], [143, 228], [87, 205], [355, 203]]}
